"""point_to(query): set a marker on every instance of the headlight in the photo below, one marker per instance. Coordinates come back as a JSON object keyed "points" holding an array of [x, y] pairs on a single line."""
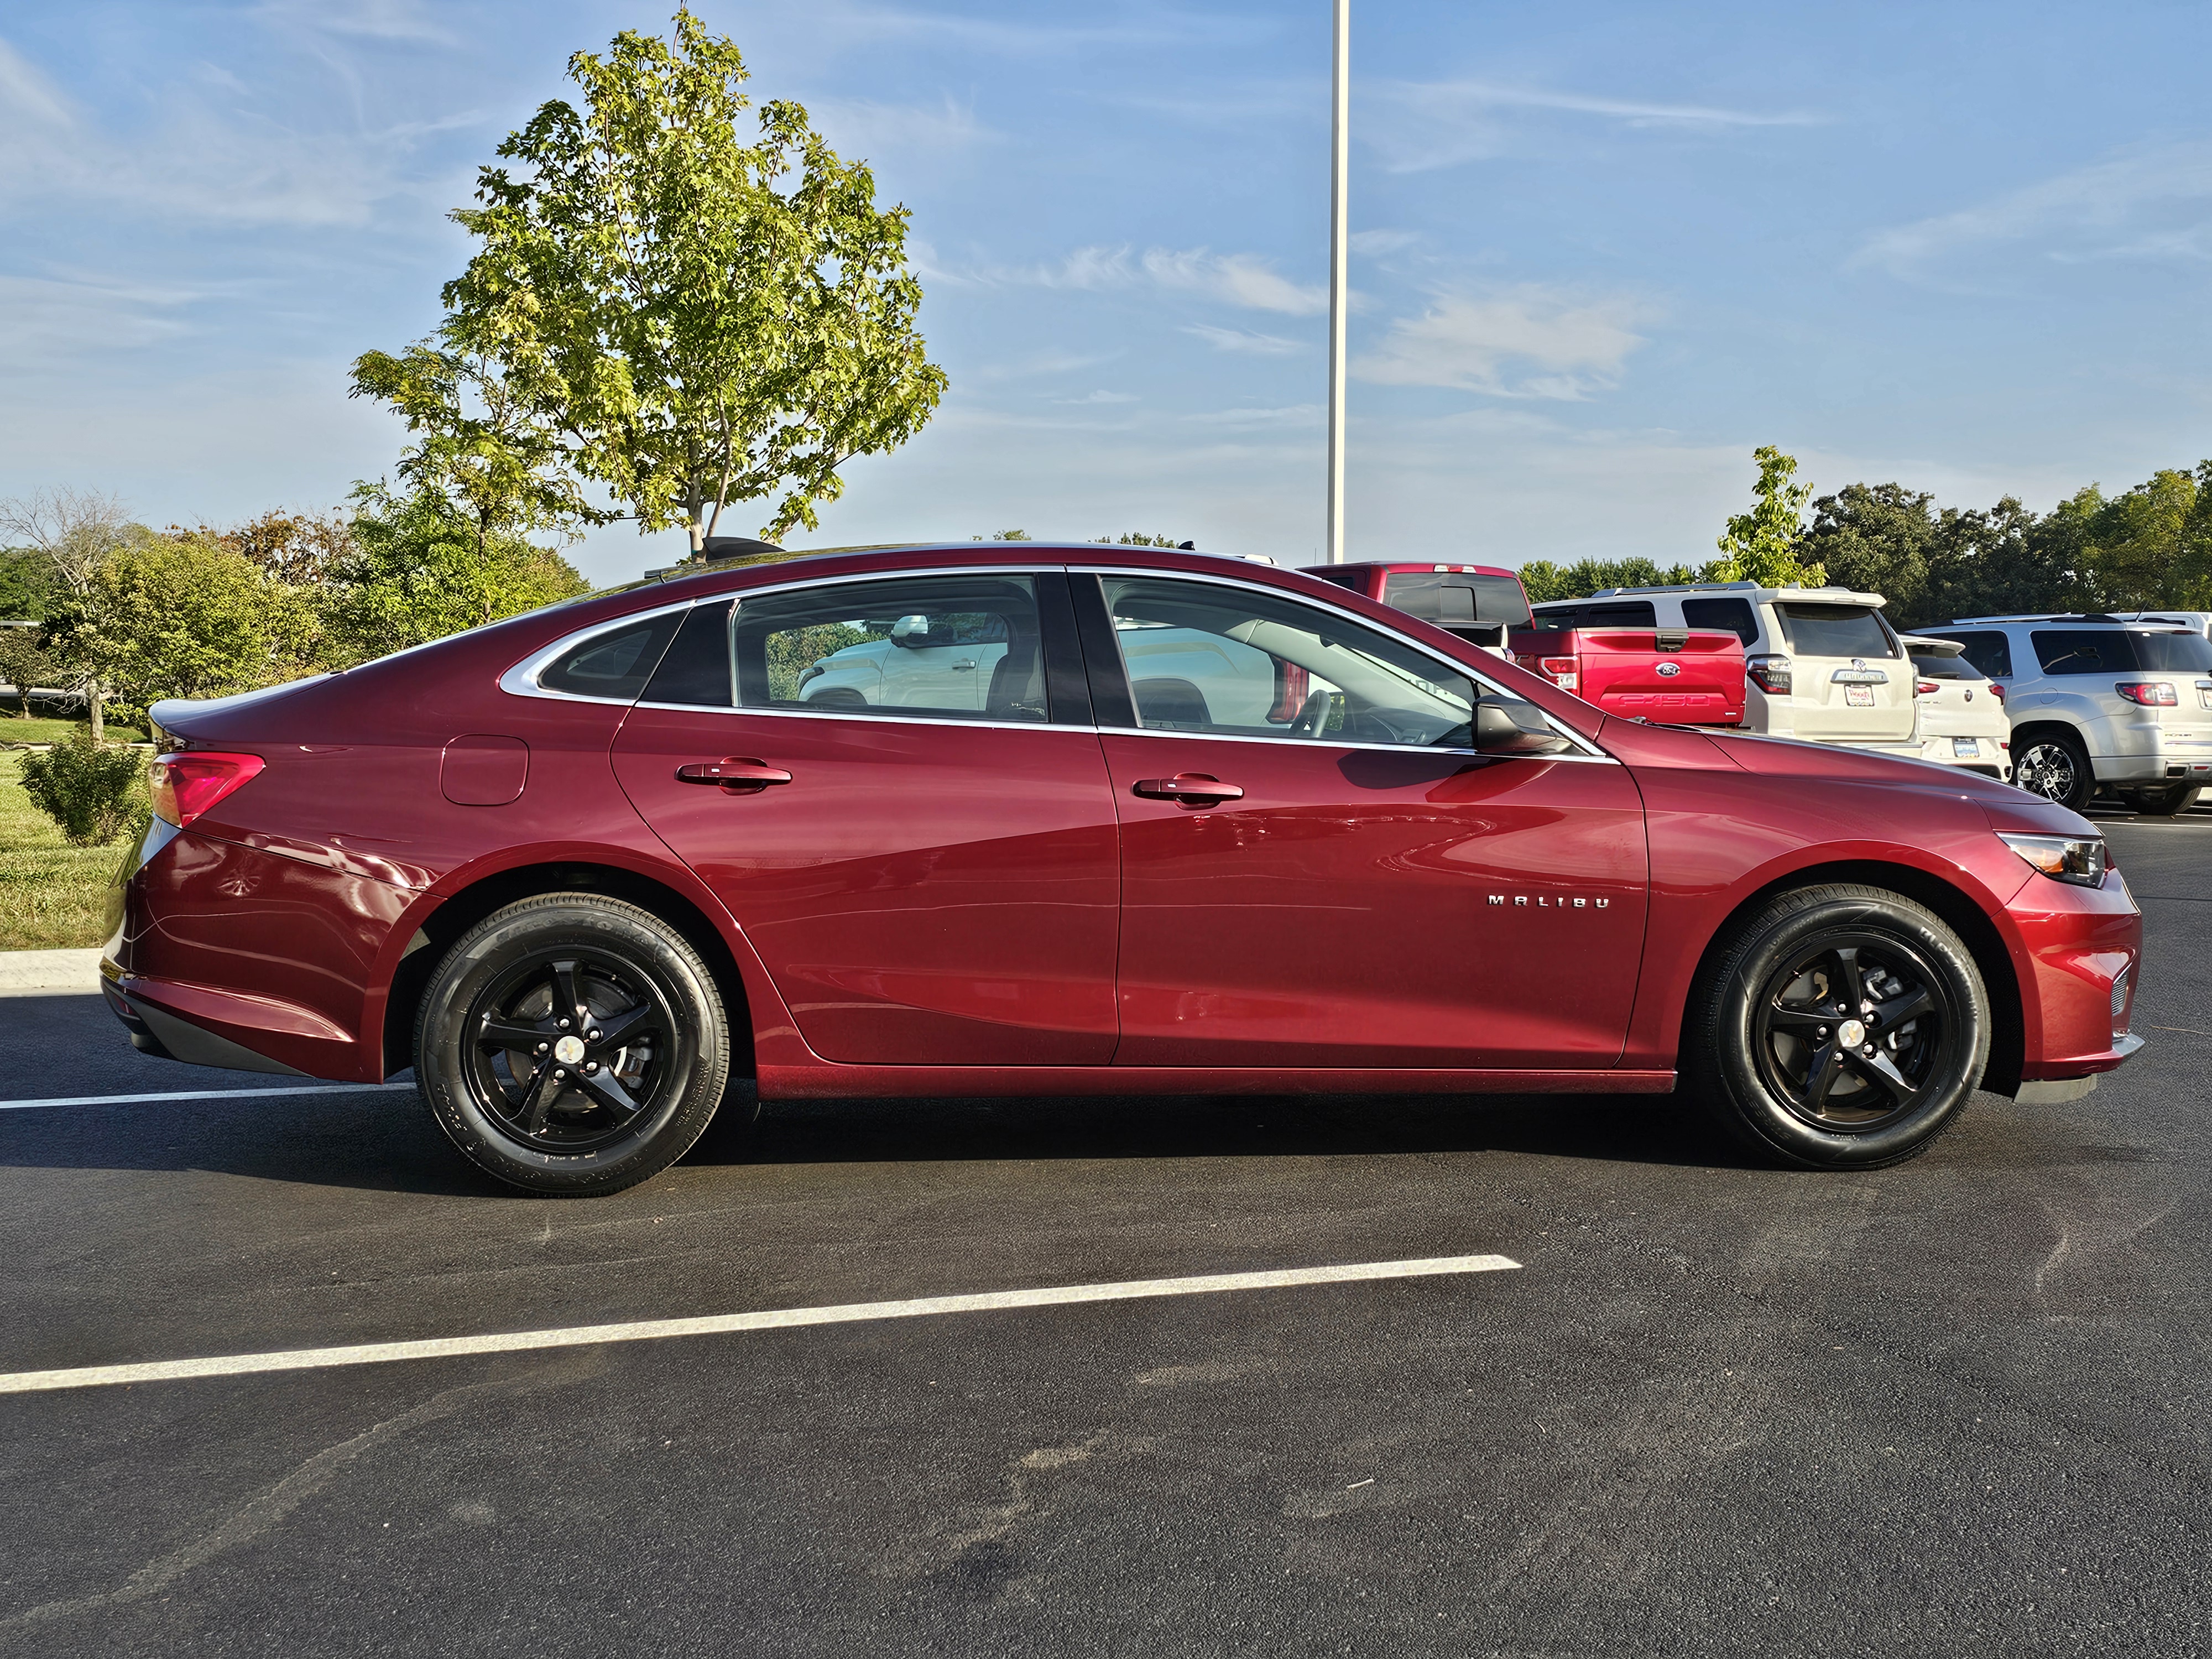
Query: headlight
{"points": [[2078, 858]]}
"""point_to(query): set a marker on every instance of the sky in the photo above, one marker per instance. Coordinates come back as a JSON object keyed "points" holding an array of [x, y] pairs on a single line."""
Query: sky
{"points": [[1599, 253]]}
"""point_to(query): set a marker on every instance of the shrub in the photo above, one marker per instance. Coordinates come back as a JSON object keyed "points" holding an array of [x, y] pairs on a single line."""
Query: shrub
{"points": [[87, 789]]}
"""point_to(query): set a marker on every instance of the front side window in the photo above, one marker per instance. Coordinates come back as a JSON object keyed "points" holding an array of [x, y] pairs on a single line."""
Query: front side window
{"points": [[943, 647], [2082, 651], [1235, 662], [1835, 630]]}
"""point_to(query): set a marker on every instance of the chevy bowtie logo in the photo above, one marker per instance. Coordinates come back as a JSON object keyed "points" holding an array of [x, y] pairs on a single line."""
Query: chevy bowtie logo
{"points": [[1542, 902]]}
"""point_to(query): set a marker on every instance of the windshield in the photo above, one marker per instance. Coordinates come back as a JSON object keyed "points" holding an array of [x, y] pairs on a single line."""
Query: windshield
{"points": [[1947, 668], [1834, 630]]}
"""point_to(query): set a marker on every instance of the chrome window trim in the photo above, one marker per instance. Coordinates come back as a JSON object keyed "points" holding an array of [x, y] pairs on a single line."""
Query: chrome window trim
{"points": [[1592, 751], [521, 680], [849, 713]]}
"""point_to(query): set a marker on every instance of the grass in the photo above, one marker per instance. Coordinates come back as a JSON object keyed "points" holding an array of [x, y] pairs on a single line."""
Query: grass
{"points": [[13, 729], [53, 895]]}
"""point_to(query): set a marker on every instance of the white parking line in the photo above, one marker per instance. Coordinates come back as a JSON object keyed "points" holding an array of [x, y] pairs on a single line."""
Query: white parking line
{"points": [[197, 1094], [644, 1330]]}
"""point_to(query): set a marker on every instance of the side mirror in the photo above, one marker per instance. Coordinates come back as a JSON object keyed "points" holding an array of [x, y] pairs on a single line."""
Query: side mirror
{"points": [[1499, 732], [910, 631]]}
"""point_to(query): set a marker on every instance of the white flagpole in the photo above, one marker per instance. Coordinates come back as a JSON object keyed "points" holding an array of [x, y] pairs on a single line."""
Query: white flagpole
{"points": [[1338, 290]]}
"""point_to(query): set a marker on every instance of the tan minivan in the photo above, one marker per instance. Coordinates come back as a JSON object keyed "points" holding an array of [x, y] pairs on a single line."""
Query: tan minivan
{"points": [[1823, 663]]}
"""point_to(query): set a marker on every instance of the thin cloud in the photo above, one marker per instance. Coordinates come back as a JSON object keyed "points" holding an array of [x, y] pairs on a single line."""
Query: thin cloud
{"points": [[861, 127], [1238, 339], [1428, 124], [1525, 342], [1239, 279], [2144, 204], [1098, 397]]}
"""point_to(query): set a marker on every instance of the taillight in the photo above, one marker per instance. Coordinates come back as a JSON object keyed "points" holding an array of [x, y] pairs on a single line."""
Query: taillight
{"points": [[1925, 688], [2152, 694], [185, 786], [1996, 690], [1770, 674], [1562, 671]]}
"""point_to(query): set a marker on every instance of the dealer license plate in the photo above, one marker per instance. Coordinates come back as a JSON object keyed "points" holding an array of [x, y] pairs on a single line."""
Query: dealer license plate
{"points": [[1965, 746], [1858, 696]]}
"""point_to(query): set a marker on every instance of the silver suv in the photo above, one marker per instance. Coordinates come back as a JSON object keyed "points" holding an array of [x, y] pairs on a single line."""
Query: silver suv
{"points": [[2097, 702]]}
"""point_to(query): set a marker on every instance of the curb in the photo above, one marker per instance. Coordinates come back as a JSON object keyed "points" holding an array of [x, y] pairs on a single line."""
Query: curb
{"points": [[49, 973]]}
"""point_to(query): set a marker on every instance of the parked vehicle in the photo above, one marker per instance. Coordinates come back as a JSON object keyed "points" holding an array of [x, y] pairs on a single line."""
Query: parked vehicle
{"points": [[581, 868], [1962, 711], [2096, 703], [1478, 603], [1679, 677], [2196, 622], [1823, 664]]}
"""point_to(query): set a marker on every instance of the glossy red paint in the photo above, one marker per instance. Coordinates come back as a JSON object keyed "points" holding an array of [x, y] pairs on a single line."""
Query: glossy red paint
{"points": [[968, 907]]}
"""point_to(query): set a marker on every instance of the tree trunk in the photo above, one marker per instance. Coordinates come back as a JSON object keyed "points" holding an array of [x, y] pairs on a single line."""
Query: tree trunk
{"points": [[98, 720]]}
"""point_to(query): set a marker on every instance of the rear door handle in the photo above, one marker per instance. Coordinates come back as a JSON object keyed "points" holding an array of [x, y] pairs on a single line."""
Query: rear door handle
{"points": [[1191, 788], [734, 773]]}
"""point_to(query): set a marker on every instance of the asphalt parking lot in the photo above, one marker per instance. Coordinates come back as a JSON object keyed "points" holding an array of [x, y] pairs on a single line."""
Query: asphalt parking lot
{"points": [[1717, 1409]]}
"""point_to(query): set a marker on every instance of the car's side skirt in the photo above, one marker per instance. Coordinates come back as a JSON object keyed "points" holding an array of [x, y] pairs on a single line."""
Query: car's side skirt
{"points": [[830, 1082]]}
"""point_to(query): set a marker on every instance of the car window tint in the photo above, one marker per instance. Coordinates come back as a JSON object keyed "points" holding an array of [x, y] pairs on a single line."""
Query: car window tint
{"points": [[694, 670], [615, 665], [1835, 630], [1990, 653], [2083, 650], [1555, 620], [1455, 598], [1946, 668], [1723, 615], [2176, 654], [939, 647], [1239, 663], [1618, 613]]}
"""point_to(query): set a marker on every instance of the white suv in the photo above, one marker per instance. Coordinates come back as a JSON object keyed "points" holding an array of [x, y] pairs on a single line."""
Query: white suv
{"points": [[1820, 663]]}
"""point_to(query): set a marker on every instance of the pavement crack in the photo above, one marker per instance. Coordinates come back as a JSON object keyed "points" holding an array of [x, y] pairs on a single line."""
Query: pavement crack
{"points": [[268, 1507]]}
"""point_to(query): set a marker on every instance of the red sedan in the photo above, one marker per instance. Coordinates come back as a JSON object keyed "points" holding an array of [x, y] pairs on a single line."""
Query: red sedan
{"points": [[1027, 820]]}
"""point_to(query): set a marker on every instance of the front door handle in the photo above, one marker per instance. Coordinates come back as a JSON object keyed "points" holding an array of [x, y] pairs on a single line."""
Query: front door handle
{"points": [[968, 667], [1190, 788], [734, 773]]}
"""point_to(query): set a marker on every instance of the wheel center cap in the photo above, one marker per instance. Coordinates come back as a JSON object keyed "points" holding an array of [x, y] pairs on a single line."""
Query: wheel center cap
{"points": [[568, 1050], [1850, 1033]]}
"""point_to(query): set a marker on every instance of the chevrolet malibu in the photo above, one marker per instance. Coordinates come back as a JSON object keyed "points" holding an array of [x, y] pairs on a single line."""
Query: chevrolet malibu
{"points": [[584, 868]]}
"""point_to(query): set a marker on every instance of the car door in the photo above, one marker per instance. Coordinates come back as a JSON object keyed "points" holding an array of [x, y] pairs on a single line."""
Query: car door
{"points": [[1852, 684], [925, 884], [1336, 878]]}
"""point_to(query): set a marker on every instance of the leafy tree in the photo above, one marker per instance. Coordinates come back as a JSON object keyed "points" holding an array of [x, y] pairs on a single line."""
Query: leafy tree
{"points": [[74, 531], [2192, 566], [419, 572], [2134, 541], [186, 618], [1874, 539], [26, 584], [86, 788], [23, 663], [658, 308], [1761, 545], [1138, 538], [292, 547], [1543, 579]]}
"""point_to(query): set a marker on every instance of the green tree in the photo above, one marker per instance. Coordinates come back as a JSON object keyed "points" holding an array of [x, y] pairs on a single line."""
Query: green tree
{"points": [[26, 584], [1761, 545], [1544, 580], [24, 663], [419, 572], [186, 617], [1138, 538], [2135, 542], [91, 791], [1874, 539], [683, 319]]}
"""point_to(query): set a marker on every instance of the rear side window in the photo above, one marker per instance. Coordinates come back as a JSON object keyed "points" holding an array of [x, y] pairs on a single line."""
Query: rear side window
{"points": [[1729, 616], [1990, 653], [2175, 654], [1834, 630], [615, 665], [2083, 651]]}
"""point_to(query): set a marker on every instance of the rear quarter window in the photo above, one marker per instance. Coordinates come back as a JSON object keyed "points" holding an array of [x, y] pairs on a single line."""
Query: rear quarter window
{"points": [[615, 665], [1729, 616]]}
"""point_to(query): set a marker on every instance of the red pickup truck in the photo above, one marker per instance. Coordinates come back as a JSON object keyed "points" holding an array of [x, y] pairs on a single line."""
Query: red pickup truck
{"points": [[1671, 676], [1477, 602]]}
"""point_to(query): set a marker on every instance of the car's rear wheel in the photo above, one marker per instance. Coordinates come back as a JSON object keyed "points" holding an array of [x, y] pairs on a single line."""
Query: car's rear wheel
{"points": [[2057, 769], [1843, 1028], [2163, 801], [572, 1044]]}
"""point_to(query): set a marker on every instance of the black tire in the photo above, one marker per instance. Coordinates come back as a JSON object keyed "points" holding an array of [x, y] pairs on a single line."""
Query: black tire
{"points": [[2163, 801], [2057, 767], [1762, 1045], [543, 1109]]}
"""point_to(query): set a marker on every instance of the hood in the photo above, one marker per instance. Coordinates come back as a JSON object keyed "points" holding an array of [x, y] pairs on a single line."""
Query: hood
{"points": [[2006, 807]]}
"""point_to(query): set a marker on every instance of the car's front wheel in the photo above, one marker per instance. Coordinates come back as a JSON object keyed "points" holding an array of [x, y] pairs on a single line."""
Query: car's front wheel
{"points": [[2057, 769], [572, 1044], [1843, 1028]]}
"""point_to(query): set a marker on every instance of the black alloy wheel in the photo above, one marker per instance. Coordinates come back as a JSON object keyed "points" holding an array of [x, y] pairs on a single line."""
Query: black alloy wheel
{"points": [[572, 1044], [2055, 768], [1843, 1028]]}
